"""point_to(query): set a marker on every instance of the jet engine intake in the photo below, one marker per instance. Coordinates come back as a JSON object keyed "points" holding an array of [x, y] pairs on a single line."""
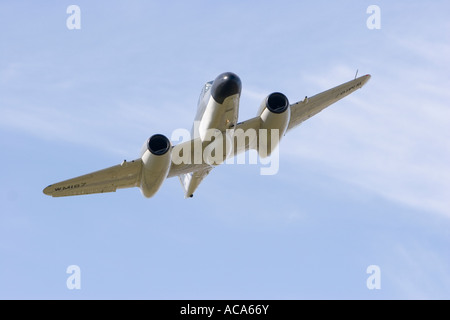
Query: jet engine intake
{"points": [[156, 161], [275, 115]]}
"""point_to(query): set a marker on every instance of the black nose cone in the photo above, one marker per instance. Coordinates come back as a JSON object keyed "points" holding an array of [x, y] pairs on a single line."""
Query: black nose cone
{"points": [[225, 85]]}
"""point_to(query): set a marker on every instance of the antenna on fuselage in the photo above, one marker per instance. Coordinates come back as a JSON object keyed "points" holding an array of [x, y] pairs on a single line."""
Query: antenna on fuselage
{"points": [[356, 73]]}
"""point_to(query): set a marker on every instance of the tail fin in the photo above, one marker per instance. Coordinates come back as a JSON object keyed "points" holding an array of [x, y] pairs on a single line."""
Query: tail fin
{"points": [[190, 181]]}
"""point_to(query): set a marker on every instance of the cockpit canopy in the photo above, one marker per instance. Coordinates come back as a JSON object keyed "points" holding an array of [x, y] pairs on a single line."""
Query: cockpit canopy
{"points": [[205, 89]]}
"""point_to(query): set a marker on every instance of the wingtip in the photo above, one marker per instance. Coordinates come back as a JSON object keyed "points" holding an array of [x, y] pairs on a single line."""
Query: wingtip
{"points": [[366, 78], [47, 191]]}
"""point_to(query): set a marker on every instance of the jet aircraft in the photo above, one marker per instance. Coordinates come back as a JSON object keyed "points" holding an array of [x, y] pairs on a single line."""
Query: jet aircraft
{"points": [[216, 136]]}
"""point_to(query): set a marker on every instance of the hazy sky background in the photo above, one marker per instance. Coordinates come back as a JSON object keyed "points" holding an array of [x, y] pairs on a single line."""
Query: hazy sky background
{"points": [[366, 182]]}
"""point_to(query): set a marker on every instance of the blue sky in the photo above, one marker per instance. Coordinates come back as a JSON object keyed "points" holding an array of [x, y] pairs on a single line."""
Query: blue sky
{"points": [[366, 182]]}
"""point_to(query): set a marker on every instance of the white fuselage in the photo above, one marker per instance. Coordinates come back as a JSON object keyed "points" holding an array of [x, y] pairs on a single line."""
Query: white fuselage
{"points": [[212, 115]]}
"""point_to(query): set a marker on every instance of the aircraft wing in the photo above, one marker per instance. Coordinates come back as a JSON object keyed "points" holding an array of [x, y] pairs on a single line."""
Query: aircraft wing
{"points": [[304, 109], [125, 175], [309, 107]]}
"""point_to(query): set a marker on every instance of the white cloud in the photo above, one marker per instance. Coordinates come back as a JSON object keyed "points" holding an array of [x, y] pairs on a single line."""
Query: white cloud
{"points": [[111, 128], [391, 137], [418, 272]]}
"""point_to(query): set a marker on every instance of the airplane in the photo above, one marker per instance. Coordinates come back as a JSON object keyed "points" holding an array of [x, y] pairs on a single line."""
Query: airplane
{"points": [[216, 136]]}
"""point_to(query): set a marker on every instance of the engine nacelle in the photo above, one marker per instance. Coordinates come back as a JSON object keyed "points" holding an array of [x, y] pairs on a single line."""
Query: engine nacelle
{"points": [[275, 115], [156, 161]]}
